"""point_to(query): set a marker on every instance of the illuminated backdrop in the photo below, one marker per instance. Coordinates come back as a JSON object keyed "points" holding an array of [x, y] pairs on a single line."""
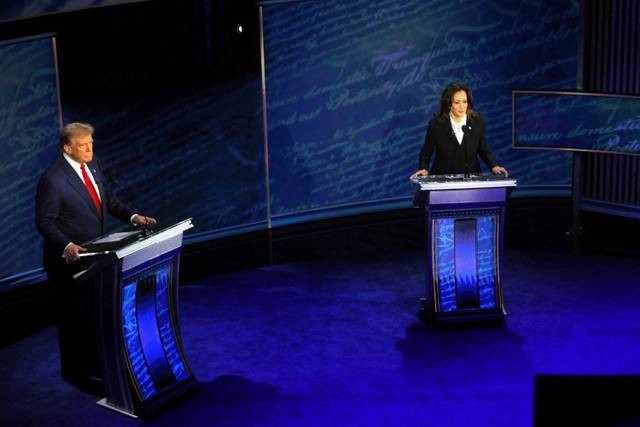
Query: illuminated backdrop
{"points": [[19, 9], [350, 88], [28, 134], [352, 84]]}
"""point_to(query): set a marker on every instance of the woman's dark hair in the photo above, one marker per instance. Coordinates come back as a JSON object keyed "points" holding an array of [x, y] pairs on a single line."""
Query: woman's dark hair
{"points": [[447, 99]]}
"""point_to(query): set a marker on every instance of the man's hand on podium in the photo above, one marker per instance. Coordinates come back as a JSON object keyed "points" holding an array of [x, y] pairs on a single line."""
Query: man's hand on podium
{"points": [[72, 252], [143, 220]]}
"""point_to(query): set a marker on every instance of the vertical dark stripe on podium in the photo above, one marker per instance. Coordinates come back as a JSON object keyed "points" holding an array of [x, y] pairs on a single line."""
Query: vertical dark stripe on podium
{"points": [[132, 341], [466, 264], [164, 283], [445, 264], [487, 260], [150, 335]]}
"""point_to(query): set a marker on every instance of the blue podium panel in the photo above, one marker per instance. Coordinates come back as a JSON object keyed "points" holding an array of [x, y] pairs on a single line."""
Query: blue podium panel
{"points": [[464, 260], [149, 333], [464, 232]]}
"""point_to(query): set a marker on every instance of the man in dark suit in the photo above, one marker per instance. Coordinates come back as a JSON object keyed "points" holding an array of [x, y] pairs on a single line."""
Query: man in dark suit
{"points": [[457, 135], [71, 201]]}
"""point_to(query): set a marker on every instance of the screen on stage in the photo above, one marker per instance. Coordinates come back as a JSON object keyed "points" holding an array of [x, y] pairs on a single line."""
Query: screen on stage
{"points": [[10, 10], [576, 121], [29, 123]]}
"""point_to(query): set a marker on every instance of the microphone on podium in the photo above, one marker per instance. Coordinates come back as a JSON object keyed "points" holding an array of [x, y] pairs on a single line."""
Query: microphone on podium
{"points": [[467, 175]]}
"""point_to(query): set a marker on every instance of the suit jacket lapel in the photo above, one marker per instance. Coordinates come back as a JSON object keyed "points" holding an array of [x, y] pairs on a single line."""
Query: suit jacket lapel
{"points": [[466, 135], [452, 135], [76, 183]]}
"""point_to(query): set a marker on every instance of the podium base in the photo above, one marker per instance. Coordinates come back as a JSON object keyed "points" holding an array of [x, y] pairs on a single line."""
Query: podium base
{"points": [[471, 317], [103, 402]]}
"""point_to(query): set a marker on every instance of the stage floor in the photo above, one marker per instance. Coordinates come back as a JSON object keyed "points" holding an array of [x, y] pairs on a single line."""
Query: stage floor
{"points": [[340, 343]]}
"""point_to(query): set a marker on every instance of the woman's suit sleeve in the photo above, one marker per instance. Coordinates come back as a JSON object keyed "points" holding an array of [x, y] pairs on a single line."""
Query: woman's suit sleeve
{"points": [[427, 148], [483, 149]]}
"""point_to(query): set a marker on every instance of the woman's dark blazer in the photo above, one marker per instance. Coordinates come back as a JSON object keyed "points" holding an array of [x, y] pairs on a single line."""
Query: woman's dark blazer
{"points": [[451, 157]]}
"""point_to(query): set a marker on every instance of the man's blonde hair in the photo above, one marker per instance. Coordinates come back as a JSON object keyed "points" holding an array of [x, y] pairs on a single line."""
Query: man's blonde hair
{"points": [[74, 129]]}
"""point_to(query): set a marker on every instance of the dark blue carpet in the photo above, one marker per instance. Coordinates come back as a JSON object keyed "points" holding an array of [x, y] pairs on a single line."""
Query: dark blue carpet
{"points": [[339, 343]]}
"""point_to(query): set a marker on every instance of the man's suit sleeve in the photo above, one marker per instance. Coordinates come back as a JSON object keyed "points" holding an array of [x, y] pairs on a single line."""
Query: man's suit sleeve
{"points": [[113, 205], [118, 209], [427, 148], [48, 203]]}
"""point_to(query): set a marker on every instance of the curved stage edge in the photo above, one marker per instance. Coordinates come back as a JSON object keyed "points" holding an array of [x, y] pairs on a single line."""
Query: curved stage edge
{"points": [[307, 216], [389, 226]]}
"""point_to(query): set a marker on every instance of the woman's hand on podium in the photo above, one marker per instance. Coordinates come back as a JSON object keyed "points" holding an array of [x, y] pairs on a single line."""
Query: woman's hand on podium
{"points": [[421, 172], [498, 170]]}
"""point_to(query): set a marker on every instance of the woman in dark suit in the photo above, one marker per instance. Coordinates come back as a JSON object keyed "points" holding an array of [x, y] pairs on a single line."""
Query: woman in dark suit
{"points": [[457, 134]]}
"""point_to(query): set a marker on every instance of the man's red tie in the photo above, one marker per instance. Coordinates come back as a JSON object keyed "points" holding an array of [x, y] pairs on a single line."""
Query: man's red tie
{"points": [[91, 188]]}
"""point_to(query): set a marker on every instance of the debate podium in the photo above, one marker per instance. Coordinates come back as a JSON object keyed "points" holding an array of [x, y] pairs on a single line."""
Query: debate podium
{"points": [[135, 284], [465, 222]]}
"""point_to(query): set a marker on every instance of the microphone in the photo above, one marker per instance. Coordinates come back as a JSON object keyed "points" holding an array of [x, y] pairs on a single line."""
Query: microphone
{"points": [[114, 180], [467, 175]]}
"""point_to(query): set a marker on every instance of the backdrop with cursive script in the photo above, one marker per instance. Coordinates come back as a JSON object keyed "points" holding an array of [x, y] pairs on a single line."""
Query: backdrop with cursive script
{"points": [[29, 133], [351, 86], [20, 9], [608, 123]]}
